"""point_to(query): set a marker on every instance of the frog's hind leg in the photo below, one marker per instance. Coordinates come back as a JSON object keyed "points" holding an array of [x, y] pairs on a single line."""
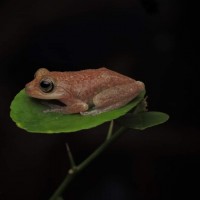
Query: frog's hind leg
{"points": [[115, 97]]}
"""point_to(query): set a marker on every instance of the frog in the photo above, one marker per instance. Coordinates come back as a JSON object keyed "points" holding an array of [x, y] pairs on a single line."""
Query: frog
{"points": [[85, 92]]}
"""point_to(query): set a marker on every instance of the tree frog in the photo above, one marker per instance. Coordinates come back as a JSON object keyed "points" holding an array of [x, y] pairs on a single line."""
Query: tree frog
{"points": [[88, 92]]}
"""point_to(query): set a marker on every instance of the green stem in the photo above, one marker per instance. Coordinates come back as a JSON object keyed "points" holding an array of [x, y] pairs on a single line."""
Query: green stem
{"points": [[77, 169], [63, 185], [110, 130]]}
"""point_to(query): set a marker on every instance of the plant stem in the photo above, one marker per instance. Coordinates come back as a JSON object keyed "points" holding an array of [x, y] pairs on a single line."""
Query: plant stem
{"points": [[110, 130], [77, 169]]}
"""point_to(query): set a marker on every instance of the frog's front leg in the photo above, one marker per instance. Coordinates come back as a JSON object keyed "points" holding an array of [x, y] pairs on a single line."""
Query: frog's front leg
{"points": [[115, 97], [76, 106]]}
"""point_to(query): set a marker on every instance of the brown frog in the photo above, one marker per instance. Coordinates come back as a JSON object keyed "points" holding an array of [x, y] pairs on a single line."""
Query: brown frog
{"points": [[99, 89]]}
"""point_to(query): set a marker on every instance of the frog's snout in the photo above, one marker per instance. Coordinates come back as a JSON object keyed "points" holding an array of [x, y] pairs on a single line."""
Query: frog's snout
{"points": [[28, 88]]}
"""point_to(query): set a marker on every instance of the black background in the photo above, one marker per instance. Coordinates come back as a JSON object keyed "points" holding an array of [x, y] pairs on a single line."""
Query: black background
{"points": [[154, 41]]}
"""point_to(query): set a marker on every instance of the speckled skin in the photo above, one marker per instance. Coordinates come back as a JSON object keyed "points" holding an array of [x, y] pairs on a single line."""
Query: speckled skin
{"points": [[100, 89]]}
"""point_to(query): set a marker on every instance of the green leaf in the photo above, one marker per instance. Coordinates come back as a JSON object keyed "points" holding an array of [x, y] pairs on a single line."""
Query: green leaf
{"points": [[28, 114], [143, 120]]}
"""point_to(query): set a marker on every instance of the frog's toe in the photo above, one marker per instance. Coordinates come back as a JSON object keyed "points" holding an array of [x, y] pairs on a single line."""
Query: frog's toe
{"points": [[56, 110], [91, 112]]}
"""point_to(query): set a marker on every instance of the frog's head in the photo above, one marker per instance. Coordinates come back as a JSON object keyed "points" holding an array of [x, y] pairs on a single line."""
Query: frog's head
{"points": [[45, 85]]}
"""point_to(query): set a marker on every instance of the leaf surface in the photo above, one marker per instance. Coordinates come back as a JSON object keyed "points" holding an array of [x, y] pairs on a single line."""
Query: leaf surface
{"points": [[143, 120], [28, 114]]}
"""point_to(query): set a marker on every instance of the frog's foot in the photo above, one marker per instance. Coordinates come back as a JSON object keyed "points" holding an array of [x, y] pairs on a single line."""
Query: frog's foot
{"points": [[57, 110], [91, 112], [97, 111]]}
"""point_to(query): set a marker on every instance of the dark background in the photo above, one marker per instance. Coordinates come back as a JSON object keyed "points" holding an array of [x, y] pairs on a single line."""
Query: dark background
{"points": [[151, 40]]}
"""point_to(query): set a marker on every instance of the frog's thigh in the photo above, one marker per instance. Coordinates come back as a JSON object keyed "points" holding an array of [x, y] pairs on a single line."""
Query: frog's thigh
{"points": [[115, 97]]}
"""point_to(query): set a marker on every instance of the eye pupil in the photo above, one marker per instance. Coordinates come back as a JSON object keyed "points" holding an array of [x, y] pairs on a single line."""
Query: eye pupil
{"points": [[46, 85]]}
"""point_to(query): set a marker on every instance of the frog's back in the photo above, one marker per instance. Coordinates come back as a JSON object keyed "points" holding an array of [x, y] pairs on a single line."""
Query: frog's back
{"points": [[103, 73], [97, 76]]}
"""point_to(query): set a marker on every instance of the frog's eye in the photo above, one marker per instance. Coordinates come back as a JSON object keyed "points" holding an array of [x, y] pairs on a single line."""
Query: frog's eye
{"points": [[47, 85]]}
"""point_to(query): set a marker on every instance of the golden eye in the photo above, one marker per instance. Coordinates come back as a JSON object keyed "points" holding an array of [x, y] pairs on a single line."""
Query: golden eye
{"points": [[46, 85]]}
